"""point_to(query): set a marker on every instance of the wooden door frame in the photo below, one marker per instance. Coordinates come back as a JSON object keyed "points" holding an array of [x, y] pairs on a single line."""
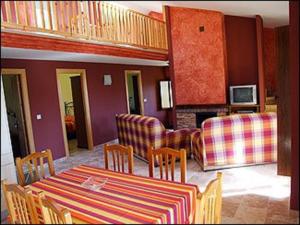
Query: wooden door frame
{"points": [[141, 97], [25, 102], [86, 106]]}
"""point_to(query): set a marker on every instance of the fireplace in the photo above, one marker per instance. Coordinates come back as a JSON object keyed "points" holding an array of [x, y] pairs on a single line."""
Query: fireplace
{"points": [[201, 116], [192, 117]]}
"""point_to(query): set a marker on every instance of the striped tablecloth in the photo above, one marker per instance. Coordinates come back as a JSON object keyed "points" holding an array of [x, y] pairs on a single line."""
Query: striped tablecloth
{"points": [[123, 199]]}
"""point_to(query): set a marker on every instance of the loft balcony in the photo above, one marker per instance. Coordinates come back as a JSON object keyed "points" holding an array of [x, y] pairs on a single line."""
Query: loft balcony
{"points": [[85, 21]]}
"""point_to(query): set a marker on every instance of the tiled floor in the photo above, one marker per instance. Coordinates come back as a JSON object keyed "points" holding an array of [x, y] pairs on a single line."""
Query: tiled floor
{"points": [[253, 194]]}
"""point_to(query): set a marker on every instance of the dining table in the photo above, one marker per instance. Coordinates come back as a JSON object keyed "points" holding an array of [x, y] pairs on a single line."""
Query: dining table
{"points": [[123, 199]]}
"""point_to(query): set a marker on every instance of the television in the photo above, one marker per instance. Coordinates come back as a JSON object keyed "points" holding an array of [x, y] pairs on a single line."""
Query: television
{"points": [[243, 95]]}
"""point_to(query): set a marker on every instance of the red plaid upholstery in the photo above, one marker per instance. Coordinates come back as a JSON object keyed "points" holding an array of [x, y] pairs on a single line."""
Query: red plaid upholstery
{"points": [[197, 146], [141, 132], [238, 139]]}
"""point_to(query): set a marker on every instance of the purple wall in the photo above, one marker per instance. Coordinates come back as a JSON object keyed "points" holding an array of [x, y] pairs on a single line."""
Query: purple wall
{"points": [[105, 101]]}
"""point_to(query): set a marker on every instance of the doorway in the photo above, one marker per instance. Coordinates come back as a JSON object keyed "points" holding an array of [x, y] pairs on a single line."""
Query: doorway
{"points": [[74, 108], [18, 111], [134, 93]]}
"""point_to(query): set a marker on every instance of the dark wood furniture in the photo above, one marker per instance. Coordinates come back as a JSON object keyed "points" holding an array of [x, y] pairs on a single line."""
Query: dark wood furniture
{"points": [[242, 108], [283, 101]]}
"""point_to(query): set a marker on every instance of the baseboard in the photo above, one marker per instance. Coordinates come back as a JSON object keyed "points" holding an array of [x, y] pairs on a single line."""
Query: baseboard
{"points": [[211, 168]]}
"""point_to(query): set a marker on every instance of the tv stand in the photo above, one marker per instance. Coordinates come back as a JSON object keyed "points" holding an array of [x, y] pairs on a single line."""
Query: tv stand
{"points": [[232, 109]]}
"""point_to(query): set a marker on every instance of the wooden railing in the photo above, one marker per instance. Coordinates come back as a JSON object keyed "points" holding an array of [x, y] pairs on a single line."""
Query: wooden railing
{"points": [[91, 20]]}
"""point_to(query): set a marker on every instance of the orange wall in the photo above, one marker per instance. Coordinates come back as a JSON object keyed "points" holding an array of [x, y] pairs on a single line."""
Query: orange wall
{"points": [[198, 58], [156, 15]]}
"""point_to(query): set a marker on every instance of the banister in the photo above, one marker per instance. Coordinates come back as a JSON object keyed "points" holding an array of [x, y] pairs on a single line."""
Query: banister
{"points": [[91, 20]]}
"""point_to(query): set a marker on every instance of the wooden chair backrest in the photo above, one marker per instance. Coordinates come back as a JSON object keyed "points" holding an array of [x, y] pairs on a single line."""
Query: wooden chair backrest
{"points": [[36, 172], [20, 204], [118, 153], [209, 203], [52, 213], [167, 155]]}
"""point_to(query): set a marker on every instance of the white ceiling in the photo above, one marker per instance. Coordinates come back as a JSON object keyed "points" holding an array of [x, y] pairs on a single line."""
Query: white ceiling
{"points": [[274, 13], [19, 53]]}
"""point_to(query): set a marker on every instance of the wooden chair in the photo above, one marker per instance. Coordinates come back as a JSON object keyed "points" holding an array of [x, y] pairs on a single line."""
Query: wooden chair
{"points": [[167, 155], [52, 213], [20, 204], [118, 151], [209, 203], [36, 172]]}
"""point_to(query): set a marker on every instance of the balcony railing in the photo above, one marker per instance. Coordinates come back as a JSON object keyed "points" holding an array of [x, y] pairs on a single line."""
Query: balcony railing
{"points": [[91, 20]]}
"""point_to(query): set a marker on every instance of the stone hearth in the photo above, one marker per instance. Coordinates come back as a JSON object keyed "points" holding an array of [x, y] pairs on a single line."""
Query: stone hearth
{"points": [[187, 117]]}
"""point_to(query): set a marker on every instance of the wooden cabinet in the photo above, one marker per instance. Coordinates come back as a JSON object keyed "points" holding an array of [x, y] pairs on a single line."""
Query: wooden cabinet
{"points": [[283, 102], [242, 109], [271, 108]]}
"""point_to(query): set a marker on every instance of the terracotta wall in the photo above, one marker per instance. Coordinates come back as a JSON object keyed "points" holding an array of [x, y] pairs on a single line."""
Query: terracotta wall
{"points": [[270, 58], [241, 50], [156, 15], [105, 101], [198, 58]]}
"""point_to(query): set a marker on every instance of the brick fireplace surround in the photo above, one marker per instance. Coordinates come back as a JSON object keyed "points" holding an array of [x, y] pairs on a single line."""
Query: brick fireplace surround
{"points": [[186, 116]]}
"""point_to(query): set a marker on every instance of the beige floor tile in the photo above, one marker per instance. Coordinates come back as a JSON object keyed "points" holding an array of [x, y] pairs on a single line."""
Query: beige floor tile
{"points": [[257, 201], [251, 215], [229, 210]]}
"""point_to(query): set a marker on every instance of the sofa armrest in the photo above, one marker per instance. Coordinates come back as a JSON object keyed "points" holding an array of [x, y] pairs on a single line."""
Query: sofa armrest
{"points": [[180, 139], [197, 146]]}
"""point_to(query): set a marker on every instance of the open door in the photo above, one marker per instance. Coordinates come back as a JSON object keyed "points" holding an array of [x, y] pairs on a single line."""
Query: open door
{"points": [[134, 93], [74, 109], [15, 115], [81, 135]]}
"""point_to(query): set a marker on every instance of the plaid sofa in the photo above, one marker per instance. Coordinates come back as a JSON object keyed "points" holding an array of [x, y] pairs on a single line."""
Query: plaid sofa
{"points": [[141, 132], [235, 140]]}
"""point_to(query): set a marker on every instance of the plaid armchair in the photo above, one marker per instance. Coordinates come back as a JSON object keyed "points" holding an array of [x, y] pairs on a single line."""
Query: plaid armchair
{"points": [[234, 140], [141, 132]]}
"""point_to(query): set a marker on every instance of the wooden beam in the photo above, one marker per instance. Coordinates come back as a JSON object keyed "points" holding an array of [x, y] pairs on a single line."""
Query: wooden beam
{"points": [[260, 57], [15, 40]]}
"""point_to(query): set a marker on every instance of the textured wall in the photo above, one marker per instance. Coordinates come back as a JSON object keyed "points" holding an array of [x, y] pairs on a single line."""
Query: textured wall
{"points": [[270, 60], [156, 15], [105, 101], [199, 58]]}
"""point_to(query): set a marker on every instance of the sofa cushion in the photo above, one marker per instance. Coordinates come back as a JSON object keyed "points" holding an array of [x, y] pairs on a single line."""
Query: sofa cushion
{"points": [[237, 139], [140, 132]]}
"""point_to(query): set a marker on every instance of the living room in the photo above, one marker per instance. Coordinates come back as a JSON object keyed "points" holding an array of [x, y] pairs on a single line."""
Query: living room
{"points": [[237, 67]]}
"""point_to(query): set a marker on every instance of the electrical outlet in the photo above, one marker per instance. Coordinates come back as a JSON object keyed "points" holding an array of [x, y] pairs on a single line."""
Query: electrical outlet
{"points": [[39, 116]]}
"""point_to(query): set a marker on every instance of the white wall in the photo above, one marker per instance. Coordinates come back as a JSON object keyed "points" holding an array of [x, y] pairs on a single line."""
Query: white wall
{"points": [[8, 170]]}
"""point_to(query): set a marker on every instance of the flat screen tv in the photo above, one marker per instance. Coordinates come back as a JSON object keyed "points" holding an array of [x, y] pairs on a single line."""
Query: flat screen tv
{"points": [[243, 95]]}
